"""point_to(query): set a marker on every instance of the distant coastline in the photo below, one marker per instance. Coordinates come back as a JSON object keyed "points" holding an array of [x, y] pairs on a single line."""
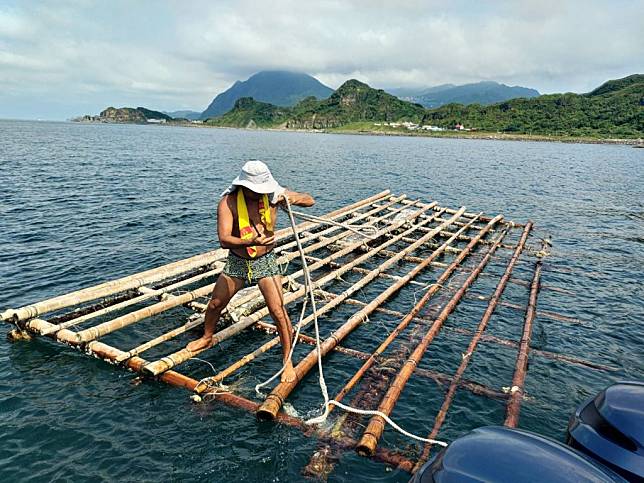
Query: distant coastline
{"points": [[361, 130]]}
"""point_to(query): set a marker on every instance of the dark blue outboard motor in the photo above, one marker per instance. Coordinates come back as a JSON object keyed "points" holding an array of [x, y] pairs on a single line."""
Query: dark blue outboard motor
{"points": [[610, 428], [502, 455]]}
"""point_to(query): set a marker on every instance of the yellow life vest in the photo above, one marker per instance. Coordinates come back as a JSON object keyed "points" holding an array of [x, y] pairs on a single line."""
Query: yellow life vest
{"points": [[245, 230]]}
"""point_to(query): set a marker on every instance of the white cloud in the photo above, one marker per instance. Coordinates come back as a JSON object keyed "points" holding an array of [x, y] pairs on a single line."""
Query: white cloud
{"points": [[168, 55]]}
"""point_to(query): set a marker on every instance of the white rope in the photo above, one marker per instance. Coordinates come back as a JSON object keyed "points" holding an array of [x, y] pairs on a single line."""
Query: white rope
{"points": [[354, 228], [323, 388]]}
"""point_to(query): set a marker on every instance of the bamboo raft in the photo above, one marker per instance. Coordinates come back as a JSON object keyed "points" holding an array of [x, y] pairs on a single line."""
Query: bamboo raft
{"points": [[422, 256]]}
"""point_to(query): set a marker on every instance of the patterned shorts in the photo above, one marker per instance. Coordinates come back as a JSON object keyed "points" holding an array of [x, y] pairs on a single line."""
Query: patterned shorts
{"points": [[251, 270]]}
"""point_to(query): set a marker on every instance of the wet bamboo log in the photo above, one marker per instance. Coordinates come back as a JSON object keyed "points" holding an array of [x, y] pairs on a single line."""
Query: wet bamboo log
{"points": [[105, 328], [415, 310], [376, 426], [136, 364], [146, 295], [469, 352], [373, 274], [517, 391], [276, 398], [112, 287], [118, 323], [149, 276], [172, 360]]}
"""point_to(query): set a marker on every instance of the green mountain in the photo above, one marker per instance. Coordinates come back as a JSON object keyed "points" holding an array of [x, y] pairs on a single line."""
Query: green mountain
{"points": [[354, 101], [614, 109], [249, 113], [280, 88]]}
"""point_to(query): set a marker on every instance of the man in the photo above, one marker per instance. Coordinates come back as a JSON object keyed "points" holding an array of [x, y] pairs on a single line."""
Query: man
{"points": [[246, 219]]}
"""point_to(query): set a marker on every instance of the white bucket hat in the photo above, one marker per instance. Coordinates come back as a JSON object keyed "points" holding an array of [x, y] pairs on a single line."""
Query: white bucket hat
{"points": [[256, 176]]}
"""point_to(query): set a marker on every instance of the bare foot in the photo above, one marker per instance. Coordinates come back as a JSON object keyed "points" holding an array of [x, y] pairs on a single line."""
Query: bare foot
{"points": [[200, 344], [289, 373]]}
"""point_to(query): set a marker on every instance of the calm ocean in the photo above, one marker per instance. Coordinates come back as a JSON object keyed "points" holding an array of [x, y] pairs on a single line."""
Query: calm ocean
{"points": [[83, 203]]}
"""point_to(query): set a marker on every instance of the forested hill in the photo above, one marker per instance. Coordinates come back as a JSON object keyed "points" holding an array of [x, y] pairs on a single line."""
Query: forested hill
{"points": [[615, 109]]}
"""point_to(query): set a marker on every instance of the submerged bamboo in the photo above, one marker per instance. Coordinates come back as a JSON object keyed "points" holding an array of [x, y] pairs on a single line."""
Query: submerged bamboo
{"points": [[469, 352], [172, 360], [376, 426], [518, 380], [276, 398], [416, 309]]}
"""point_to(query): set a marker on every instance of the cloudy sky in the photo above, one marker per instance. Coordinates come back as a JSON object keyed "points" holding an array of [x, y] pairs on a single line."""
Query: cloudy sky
{"points": [[64, 58]]}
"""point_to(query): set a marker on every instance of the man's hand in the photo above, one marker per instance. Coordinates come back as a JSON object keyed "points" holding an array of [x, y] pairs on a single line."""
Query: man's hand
{"points": [[263, 240]]}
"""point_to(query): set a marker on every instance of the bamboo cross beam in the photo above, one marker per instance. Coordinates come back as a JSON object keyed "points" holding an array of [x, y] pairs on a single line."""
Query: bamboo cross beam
{"points": [[276, 398], [521, 367], [555, 356], [415, 310], [336, 301], [438, 377], [376, 426], [469, 352], [172, 360]]}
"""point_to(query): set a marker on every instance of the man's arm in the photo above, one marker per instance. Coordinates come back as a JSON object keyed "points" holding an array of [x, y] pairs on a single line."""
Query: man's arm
{"points": [[225, 222], [298, 199]]}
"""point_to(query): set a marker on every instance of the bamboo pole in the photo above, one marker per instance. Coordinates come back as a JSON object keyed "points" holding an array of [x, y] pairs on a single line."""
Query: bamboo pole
{"points": [[149, 276], [111, 287], [110, 326], [363, 216], [136, 364], [469, 352], [415, 310], [172, 360], [376, 426], [521, 367], [276, 398], [147, 294], [284, 232], [373, 274]]}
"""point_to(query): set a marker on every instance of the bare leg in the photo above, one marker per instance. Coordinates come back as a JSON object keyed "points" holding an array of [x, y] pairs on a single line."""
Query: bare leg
{"points": [[271, 288], [224, 290]]}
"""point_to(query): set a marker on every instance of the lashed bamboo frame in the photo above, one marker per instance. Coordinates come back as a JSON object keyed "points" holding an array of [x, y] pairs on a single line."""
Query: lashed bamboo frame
{"points": [[368, 210]]}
